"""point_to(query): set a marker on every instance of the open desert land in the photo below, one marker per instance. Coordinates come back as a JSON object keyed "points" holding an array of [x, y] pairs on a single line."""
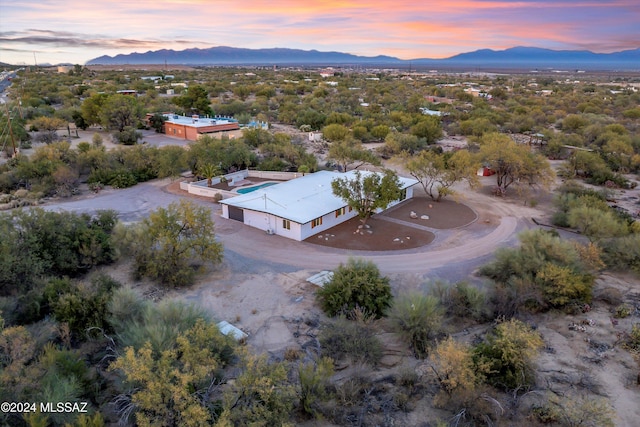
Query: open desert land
{"points": [[261, 286]]}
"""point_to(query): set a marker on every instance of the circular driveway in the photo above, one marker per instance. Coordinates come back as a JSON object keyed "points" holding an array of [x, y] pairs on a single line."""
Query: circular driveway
{"points": [[135, 203]]}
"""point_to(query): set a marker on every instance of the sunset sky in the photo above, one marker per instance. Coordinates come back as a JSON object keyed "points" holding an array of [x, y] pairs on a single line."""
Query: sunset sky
{"points": [[56, 31]]}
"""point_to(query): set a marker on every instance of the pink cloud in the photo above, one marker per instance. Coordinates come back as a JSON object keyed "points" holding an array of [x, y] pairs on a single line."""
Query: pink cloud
{"points": [[405, 28]]}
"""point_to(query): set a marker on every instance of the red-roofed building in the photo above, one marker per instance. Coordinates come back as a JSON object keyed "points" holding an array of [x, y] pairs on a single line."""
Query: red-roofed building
{"points": [[191, 128]]}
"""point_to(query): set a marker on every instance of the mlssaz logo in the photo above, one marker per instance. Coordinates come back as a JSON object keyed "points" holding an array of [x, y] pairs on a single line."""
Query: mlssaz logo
{"points": [[64, 407]]}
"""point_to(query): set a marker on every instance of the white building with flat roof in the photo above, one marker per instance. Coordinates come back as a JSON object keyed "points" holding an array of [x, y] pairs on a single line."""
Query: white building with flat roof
{"points": [[299, 208]]}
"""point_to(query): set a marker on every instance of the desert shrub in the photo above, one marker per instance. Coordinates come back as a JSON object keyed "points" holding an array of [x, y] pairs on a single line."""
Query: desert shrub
{"points": [[356, 284], [545, 271], [122, 179], [292, 353], [417, 318], [65, 377], [570, 411], [314, 381], [456, 373], [595, 223], [622, 311], [261, 395], [350, 392], [633, 339], [55, 244], [159, 324], [407, 378], [343, 338], [171, 387], [622, 253], [84, 306], [125, 308], [507, 355], [128, 136], [462, 300]]}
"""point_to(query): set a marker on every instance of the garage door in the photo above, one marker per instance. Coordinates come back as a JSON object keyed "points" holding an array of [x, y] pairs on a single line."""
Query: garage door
{"points": [[236, 213]]}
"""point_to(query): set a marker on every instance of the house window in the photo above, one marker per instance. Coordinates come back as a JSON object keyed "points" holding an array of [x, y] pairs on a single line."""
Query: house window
{"points": [[286, 224], [340, 211], [174, 130], [350, 208], [316, 222], [403, 194]]}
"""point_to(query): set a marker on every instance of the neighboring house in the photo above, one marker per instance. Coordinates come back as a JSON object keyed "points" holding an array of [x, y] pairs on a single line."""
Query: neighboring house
{"points": [[299, 208], [429, 112], [191, 128]]}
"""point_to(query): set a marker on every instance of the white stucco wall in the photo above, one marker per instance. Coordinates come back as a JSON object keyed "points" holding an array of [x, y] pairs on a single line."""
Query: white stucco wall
{"points": [[265, 221], [328, 221]]}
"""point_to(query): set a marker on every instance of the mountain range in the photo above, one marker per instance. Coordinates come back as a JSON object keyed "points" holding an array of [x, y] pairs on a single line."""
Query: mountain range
{"points": [[516, 57]]}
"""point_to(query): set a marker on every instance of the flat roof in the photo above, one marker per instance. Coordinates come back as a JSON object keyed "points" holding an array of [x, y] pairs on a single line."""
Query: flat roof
{"points": [[301, 199], [197, 121]]}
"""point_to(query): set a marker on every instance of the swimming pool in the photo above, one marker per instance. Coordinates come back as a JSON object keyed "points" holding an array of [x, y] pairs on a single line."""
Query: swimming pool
{"points": [[246, 190]]}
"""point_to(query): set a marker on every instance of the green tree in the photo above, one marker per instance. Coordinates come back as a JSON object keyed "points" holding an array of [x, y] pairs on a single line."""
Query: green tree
{"points": [[55, 243], [429, 128], [366, 192], [380, 132], [229, 155], [171, 161], [92, 108], [335, 132], [351, 153], [398, 142], [195, 101], [513, 163], [167, 244], [157, 122], [48, 128], [208, 171], [356, 284], [437, 174], [121, 113]]}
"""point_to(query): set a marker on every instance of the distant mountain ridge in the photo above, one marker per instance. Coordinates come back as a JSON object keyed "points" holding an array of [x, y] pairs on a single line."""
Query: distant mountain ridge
{"points": [[516, 57]]}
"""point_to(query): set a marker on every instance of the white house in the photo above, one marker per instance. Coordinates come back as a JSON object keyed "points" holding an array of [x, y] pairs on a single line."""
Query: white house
{"points": [[299, 208]]}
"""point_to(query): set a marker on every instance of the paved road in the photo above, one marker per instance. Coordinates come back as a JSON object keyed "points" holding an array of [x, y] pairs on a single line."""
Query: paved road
{"points": [[246, 245]]}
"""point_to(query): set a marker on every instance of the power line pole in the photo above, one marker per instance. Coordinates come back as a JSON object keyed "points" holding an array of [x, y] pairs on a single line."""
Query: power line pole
{"points": [[13, 141]]}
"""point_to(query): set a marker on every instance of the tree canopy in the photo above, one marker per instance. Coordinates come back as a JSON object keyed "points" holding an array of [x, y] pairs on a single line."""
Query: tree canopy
{"points": [[513, 163], [438, 172], [367, 192], [168, 244]]}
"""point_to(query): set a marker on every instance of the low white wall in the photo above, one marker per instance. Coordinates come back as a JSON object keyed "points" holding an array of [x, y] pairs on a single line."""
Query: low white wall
{"points": [[281, 176], [201, 188]]}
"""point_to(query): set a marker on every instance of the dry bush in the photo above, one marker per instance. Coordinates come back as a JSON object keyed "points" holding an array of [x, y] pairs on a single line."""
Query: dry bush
{"points": [[352, 340], [291, 354]]}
